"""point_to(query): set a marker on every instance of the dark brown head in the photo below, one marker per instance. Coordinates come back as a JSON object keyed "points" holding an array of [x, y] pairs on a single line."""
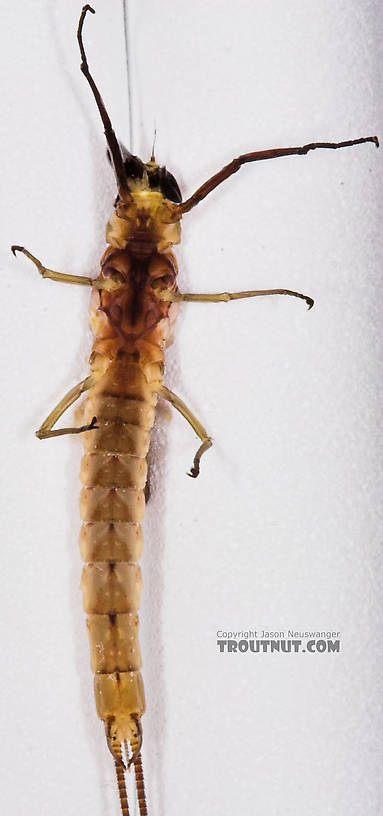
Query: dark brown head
{"points": [[149, 176]]}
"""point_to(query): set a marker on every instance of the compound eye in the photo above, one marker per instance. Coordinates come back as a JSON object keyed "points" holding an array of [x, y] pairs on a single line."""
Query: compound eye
{"points": [[161, 179], [154, 178], [134, 167], [169, 187]]}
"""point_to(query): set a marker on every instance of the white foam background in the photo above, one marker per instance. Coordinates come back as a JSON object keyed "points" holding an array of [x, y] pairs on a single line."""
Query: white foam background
{"points": [[283, 528]]}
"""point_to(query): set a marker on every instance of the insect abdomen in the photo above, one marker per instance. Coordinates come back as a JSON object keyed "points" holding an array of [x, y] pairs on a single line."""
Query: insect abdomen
{"points": [[113, 473]]}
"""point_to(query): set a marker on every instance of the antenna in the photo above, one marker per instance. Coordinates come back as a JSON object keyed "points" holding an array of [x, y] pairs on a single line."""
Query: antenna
{"points": [[152, 157]]}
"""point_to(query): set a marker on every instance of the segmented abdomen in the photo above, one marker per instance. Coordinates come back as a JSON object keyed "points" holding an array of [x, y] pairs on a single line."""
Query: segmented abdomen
{"points": [[113, 473]]}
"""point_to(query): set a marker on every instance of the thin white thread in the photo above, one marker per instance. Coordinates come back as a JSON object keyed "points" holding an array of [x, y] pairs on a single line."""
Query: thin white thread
{"points": [[128, 69]]}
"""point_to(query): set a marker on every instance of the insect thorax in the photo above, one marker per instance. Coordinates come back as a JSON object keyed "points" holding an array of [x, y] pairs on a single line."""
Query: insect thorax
{"points": [[147, 220]]}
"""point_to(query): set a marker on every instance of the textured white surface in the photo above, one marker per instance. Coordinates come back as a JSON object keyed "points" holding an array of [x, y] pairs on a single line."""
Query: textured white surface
{"points": [[283, 527]]}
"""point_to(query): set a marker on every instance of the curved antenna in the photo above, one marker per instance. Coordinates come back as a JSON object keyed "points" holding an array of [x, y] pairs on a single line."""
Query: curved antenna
{"points": [[109, 132]]}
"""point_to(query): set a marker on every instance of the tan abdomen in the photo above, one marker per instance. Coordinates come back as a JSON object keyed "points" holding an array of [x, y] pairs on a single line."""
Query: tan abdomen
{"points": [[113, 474]]}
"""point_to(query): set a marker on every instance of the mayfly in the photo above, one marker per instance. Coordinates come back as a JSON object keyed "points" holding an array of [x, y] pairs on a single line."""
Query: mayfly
{"points": [[134, 303]]}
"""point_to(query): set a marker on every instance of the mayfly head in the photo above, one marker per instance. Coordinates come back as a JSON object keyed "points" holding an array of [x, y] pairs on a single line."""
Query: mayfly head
{"points": [[148, 176]]}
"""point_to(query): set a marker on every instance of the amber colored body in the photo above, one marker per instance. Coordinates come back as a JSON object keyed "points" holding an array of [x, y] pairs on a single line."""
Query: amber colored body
{"points": [[131, 328], [133, 307]]}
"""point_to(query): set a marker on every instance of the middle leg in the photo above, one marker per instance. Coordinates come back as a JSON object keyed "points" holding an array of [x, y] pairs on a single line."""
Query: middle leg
{"points": [[224, 297]]}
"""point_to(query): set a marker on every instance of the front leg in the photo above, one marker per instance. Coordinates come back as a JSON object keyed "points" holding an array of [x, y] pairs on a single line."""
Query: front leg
{"points": [[261, 155]]}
